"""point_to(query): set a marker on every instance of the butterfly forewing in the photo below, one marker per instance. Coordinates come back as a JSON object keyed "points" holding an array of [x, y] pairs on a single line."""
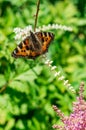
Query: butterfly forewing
{"points": [[46, 38], [22, 50], [33, 45]]}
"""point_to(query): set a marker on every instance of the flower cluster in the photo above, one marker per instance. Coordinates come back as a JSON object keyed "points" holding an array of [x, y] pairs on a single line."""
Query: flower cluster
{"points": [[55, 27], [77, 119], [58, 75], [22, 33]]}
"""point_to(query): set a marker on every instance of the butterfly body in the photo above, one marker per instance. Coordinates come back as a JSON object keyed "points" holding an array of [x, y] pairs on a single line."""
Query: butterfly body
{"points": [[34, 45]]}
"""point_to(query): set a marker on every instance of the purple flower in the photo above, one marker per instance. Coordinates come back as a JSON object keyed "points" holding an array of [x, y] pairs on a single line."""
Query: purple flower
{"points": [[77, 119]]}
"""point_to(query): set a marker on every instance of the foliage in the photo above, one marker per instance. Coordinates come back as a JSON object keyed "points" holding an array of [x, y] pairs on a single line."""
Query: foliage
{"points": [[27, 97]]}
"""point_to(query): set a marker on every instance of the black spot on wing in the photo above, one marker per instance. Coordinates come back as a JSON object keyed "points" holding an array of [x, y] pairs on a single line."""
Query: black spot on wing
{"points": [[20, 45], [42, 39], [45, 33], [16, 50], [22, 50], [27, 47], [46, 39], [51, 35]]}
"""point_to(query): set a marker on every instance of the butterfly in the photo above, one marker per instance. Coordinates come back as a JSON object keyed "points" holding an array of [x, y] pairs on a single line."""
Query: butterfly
{"points": [[33, 45]]}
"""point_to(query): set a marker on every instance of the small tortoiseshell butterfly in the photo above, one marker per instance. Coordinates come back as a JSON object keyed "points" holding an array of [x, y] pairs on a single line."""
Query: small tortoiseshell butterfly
{"points": [[34, 45]]}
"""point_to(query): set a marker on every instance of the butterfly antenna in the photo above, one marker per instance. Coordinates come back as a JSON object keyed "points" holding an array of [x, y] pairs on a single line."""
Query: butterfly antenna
{"points": [[36, 15]]}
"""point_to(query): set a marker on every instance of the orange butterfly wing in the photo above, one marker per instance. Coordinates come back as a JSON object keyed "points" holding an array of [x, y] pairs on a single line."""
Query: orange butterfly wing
{"points": [[45, 38], [33, 45], [22, 50]]}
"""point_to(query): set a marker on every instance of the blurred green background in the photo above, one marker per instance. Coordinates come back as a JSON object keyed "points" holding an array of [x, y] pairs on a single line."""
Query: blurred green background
{"points": [[27, 88]]}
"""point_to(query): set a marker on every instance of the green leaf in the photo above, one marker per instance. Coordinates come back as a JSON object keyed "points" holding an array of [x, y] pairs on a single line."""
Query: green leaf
{"points": [[2, 80], [29, 75]]}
